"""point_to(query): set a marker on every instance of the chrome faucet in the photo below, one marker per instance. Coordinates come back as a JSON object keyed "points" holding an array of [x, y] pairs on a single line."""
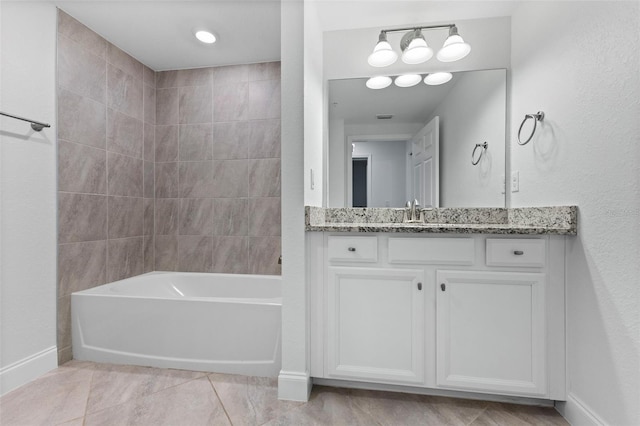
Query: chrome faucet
{"points": [[412, 212]]}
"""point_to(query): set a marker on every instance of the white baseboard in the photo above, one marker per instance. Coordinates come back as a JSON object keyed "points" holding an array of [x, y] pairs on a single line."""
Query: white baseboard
{"points": [[431, 391], [27, 369], [294, 386], [577, 413]]}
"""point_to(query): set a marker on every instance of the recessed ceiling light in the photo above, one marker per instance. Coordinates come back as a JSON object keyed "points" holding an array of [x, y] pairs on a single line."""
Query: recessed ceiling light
{"points": [[205, 36]]}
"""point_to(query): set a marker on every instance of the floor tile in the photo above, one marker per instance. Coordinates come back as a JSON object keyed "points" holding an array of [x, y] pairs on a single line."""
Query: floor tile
{"points": [[74, 422], [250, 400], [191, 403], [84, 393], [327, 406], [54, 398], [390, 408], [518, 415], [116, 384]]}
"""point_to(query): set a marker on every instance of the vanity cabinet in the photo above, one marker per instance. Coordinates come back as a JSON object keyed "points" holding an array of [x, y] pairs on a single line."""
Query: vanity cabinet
{"points": [[375, 324], [476, 313], [490, 331]]}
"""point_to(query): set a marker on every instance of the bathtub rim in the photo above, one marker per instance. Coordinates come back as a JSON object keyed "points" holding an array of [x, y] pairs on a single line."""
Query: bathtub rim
{"points": [[98, 291]]}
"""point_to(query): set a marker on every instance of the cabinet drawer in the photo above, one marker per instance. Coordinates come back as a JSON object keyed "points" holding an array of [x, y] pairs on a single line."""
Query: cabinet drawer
{"points": [[353, 249], [516, 252], [442, 251]]}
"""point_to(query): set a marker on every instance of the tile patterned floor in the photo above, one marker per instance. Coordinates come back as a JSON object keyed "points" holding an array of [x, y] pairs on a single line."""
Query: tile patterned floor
{"points": [[84, 393]]}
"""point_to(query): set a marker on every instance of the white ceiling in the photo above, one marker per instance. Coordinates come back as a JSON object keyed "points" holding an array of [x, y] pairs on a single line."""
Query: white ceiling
{"points": [[160, 33], [336, 15]]}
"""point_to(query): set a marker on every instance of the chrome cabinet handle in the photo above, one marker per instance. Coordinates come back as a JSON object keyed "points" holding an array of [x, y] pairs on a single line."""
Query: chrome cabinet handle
{"points": [[518, 252], [443, 287], [419, 286], [351, 249]]}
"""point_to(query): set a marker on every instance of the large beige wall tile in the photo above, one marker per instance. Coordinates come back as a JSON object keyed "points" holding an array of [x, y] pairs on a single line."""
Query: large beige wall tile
{"points": [[80, 71], [196, 216], [124, 175], [81, 266], [81, 168], [124, 92], [124, 134], [125, 258], [230, 179], [83, 36], [125, 217], [166, 143], [195, 105], [166, 182], [195, 253], [81, 119], [195, 142], [81, 217], [263, 255], [230, 255], [230, 140]]}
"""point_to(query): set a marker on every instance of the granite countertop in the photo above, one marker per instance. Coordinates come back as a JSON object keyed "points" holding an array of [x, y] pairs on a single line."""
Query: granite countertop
{"points": [[561, 220]]}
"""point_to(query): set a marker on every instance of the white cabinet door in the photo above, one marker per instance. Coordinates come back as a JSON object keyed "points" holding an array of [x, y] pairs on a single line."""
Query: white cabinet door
{"points": [[491, 332], [375, 324]]}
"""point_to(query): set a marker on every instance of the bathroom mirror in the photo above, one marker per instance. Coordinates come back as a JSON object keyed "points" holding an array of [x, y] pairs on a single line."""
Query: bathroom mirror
{"points": [[395, 144]]}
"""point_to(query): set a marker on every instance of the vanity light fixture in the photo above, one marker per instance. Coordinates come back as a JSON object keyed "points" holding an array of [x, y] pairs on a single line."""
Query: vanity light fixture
{"points": [[415, 49], [383, 55], [205, 36], [379, 82], [437, 78], [407, 80], [454, 47]]}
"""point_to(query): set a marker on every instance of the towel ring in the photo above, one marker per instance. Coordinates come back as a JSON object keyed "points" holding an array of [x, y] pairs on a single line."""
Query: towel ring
{"points": [[536, 117], [484, 147]]}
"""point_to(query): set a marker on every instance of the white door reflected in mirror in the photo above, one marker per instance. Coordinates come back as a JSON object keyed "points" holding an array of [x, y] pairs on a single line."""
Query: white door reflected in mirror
{"points": [[425, 165]]}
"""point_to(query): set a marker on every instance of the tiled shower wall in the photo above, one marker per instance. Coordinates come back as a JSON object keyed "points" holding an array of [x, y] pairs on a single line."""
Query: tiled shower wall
{"points": [[106, 108], [208, 191], [217, 160]]}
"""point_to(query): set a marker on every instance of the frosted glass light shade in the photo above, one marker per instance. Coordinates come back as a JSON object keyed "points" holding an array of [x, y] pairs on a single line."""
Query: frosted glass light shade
{"points": [[379, 82], [407, 80], [454, 49], [383, 55], [437, 78], [417, 52], [205, 37]]}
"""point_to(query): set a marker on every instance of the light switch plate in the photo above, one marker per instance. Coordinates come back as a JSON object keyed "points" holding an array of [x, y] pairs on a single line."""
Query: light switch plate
{"points": [[515, 181]]}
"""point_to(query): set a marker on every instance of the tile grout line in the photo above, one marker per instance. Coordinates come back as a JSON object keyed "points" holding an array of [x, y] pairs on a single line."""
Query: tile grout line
{"points": [[219, 399], [135, 399], [478, 416], [86, 405]]}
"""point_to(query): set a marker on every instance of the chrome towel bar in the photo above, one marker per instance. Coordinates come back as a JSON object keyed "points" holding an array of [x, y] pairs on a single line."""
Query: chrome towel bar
{"points": [[35, 125], [539, 116]]}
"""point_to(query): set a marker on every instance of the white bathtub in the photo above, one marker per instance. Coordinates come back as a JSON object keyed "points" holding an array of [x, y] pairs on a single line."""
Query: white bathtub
{"points": [[205, 322]]}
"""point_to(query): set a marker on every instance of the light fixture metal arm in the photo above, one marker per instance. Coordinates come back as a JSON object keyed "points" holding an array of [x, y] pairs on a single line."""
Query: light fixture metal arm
{"points": [[428, 27]]}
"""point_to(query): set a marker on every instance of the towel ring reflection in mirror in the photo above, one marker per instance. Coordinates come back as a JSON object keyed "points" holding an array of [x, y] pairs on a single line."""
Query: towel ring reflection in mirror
{"points": [[539, 116], [484, 147]]}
